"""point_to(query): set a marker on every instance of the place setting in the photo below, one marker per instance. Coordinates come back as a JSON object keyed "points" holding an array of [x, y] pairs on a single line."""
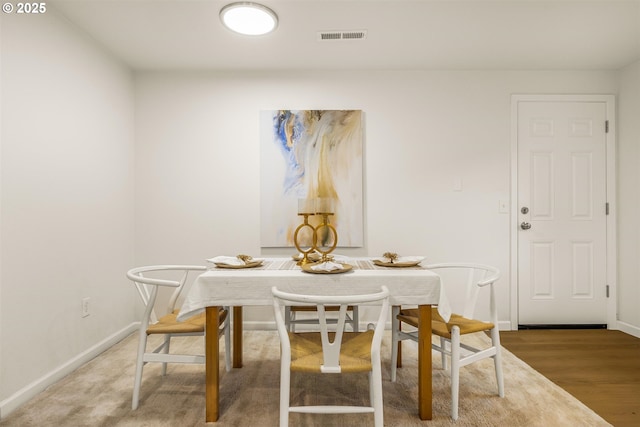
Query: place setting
{"points": [[323, 263], [328, 265], [393, 260], [236, 262]]}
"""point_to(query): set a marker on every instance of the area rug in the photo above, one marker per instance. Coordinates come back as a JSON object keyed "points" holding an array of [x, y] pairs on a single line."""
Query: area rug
{"points": [[99, 393]]}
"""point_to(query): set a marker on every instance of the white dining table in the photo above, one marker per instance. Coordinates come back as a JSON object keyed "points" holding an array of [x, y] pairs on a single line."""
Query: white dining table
{"points": [[238, 287]]}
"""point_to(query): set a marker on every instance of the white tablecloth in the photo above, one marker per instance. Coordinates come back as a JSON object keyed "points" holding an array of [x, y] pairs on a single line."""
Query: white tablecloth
{"points": [[252, 286]]}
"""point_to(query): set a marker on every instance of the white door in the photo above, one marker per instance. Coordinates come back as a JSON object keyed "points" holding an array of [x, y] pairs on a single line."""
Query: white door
{"points": [[561, 213]]}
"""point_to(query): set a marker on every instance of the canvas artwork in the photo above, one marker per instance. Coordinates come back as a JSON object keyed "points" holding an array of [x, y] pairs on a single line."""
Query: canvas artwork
{"points": [[311, 154]]}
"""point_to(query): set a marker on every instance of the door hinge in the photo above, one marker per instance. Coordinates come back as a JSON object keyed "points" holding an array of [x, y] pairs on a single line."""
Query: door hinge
{"points": [[606, 126], [607, 291], [606, 208]]}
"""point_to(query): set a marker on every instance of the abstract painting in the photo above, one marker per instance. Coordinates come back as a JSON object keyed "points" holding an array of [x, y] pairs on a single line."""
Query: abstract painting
{"points": [[311, 154]]}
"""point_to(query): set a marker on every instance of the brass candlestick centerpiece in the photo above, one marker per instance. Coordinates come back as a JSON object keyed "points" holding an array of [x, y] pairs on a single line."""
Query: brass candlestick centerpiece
{"points": [[324, 237], [306, 208]]}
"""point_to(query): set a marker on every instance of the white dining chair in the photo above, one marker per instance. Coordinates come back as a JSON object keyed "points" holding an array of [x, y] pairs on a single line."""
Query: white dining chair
{"points": [[331, 352], [148, 280], [470, 279]]}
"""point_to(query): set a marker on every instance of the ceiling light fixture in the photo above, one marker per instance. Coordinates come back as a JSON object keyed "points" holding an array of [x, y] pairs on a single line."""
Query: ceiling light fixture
{"points": [[249, 18]]}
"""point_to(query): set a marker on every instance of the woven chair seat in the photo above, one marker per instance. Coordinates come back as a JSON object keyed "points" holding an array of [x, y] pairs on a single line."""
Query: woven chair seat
{"points": [[355, 353], [440, 327], [168, 324], [410, 316]]}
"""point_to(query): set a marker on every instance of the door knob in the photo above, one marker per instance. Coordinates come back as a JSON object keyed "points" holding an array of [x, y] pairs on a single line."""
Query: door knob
{"points": [[525, 226]]}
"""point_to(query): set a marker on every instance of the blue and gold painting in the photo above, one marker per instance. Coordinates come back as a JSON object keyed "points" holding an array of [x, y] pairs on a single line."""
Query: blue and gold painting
{"points": [[310, 155]]}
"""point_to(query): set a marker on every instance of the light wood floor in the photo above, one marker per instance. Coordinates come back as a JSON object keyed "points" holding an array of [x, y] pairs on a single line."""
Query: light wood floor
{"points": [[599, 367]]}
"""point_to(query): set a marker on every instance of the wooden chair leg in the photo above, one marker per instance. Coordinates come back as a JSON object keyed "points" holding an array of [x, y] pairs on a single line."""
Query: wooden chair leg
{"points": [[395, 342]]}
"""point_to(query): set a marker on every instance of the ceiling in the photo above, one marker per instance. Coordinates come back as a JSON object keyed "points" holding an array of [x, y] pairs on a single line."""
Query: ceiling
{"points": [[400, 34]]}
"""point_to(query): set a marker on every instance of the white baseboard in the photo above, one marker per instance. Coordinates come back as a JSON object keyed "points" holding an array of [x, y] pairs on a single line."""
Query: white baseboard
{"points": [[259, 325], [504, 325], [28, 392], [629, 329]]}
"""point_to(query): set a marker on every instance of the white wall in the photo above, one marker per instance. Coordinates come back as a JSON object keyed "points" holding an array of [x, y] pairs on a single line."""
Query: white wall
{"points": [[198, 161], [629, 199], [66, 201]]}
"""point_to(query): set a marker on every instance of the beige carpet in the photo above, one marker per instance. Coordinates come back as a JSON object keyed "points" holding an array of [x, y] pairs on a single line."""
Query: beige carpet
{"points": [[99, 394]]}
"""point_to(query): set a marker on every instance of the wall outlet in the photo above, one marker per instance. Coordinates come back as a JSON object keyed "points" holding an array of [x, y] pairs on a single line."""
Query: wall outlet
{"points": [[85, 306]]}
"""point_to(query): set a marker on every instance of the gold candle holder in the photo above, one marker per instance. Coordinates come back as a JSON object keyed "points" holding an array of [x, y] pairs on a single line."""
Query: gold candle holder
{"points": [[324, 231], [320, 230], [305, 253]]}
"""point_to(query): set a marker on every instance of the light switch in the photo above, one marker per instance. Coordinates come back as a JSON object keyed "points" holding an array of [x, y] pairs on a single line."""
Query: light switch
{"points": [[457, 184], [503, 206]]}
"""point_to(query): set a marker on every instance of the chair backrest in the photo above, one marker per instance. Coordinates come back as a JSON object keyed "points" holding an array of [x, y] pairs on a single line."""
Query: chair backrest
{"points": [[472, 278], [148, 286], [331, 349]]}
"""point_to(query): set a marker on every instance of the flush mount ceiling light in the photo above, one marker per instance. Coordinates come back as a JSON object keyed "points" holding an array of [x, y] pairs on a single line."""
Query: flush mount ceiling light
{"points": [[249, 18]]}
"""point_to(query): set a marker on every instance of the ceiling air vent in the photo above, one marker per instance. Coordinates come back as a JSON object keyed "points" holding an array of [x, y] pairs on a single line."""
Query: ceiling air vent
{"points": [[342, 35]]}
